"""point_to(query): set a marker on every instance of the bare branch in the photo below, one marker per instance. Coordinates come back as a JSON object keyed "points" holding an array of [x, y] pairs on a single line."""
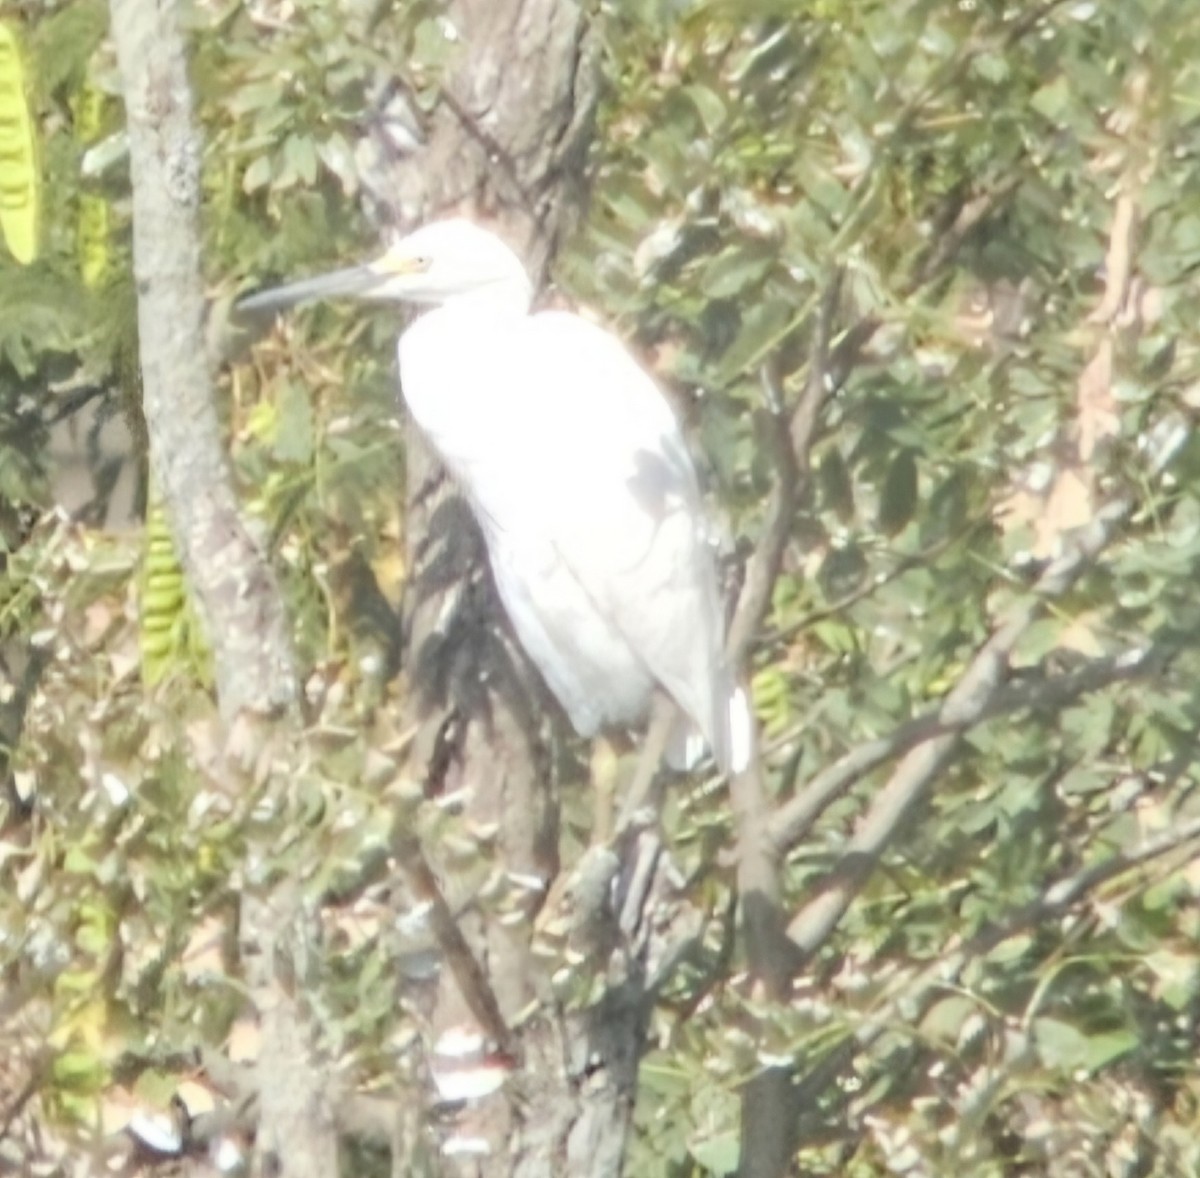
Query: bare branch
{"points": [[768, 1104], [770, 954], [913, 994], [790, 438], [768, 1123], [1059, 897], [968, 218], [965, 704], [793, 822]]}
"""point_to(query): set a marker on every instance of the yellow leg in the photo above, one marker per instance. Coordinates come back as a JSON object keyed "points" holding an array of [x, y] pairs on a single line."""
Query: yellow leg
{"points": [[604, 782], [641, 792]]}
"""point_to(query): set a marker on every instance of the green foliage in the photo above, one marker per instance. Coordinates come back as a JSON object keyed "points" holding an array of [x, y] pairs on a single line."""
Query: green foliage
{"points": [[748, 154], [957, 169], [119, 911], [168, 632], [119, 905], [20, 190], [53, 330]]}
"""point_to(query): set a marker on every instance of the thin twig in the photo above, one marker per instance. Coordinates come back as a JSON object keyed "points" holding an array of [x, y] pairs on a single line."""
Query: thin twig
{"points": [[904, 564], [17, 1102], [468, 973]]}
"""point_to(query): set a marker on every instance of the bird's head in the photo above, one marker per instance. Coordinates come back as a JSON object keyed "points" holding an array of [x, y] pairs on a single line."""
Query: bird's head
{"points": [[446, 261]]}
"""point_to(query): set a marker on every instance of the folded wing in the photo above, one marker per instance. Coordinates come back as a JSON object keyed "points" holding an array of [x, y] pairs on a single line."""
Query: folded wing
{"points": [[627, 519], [588, 498]]}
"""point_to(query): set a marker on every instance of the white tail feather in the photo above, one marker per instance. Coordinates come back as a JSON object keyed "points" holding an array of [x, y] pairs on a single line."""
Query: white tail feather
{"points": [[733, 746], [741, 732], [685, 746]]}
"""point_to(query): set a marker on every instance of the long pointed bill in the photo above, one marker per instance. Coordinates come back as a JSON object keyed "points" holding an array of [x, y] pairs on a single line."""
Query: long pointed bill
{"points": [[355, 281]]}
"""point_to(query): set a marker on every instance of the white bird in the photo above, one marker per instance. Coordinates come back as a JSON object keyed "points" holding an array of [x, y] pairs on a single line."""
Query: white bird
{"points": [[576, 469]]}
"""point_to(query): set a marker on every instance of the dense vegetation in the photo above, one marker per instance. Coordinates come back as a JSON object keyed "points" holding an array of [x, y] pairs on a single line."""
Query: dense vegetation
{"points": [[969, 234]]}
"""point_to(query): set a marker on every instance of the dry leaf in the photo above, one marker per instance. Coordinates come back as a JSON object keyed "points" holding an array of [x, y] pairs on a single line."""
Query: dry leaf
{"points": [[1098, 418], [245, 1039]]}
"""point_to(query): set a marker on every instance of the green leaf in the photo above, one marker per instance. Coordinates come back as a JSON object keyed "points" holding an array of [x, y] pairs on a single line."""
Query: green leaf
{"points": [[719, 1154], [1051, 100], [992, 67], [945, 1018], [432, 46], [78, 1070], [737, 270], [299, 161], [710, 106], [760, 328], [257, 175], [255, 96], [294, 425], [1177, 976], [1062, 1045], [1038, 640], [77, 861], [1107, 1048], [898, 498], [1010, 949], [337, 155], [20, 177]]}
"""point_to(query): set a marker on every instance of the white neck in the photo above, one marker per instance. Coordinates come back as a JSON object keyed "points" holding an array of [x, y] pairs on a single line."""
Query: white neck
{"points": [[448, 366], [506, 296]]}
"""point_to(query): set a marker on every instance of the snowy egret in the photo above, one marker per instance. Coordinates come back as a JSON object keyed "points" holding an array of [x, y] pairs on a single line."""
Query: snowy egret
{"points": [[576, 469]]}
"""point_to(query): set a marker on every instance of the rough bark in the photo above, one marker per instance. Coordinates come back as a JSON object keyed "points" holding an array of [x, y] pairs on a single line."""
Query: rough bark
{"points": [[506, 144], [231, 581]]}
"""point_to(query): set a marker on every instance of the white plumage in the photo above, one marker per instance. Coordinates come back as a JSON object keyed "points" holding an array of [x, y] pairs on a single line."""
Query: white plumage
{"points": [[577, 471]]}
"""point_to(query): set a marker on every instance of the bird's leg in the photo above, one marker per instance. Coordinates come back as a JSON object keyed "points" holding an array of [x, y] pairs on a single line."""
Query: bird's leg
{"points": [[603, 768], [578, 914], [663, 717]]}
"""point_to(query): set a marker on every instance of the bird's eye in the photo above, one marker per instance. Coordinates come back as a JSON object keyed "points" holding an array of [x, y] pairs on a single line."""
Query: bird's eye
{"points": [[422, 263]]}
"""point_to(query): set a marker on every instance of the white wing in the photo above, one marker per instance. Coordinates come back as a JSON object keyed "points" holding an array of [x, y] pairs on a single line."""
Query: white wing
{"points": [[583, 484]]}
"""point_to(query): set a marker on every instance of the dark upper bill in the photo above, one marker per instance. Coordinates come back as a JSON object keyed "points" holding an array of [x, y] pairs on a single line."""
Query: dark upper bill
{"points": [[355, 281]]}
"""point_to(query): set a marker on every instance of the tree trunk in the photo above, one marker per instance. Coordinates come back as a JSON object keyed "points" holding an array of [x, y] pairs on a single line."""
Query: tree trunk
{"points": [[230, 578], [232, 582], [506, 145]]}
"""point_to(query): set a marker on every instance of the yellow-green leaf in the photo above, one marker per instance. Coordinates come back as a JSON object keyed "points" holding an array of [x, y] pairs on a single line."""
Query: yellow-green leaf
{"points": [[19, 188]]}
